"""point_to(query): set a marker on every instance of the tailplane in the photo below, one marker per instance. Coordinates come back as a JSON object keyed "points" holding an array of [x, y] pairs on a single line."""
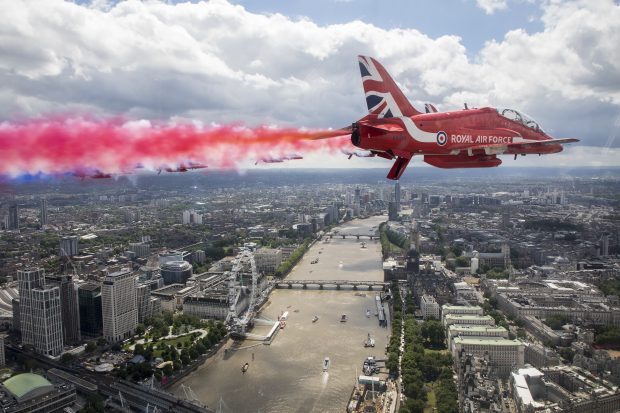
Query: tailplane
{"points": [[383, 97]]}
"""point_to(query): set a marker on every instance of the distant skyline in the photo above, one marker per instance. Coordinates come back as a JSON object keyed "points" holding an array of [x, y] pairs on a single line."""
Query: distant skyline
{"points": [[293, 63]]}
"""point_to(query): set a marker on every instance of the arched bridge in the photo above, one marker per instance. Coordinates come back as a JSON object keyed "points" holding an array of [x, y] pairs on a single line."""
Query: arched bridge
{"points": [[338, 284], [347, 235]]}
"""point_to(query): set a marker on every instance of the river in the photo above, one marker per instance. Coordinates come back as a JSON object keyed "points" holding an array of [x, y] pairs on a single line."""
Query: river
{"points": [[287, 375]]}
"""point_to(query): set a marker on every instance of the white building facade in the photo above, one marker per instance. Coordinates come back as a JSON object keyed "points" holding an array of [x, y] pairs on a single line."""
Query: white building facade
{"points": [[503, 355], [429, 307], [448, 309], [119, 305]]}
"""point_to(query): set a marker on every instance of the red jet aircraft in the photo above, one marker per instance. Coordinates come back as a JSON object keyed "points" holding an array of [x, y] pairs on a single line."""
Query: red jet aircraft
{"points": [[469, 138], [96, 174], [269, 159], [184, 167]]}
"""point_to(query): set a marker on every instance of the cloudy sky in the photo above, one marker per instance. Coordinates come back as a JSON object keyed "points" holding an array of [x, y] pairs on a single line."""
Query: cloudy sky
{"points": [[293, 62]]}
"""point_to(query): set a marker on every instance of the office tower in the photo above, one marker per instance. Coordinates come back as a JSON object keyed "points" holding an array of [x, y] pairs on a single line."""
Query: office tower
{"points": [[43, 212], [191, 217], [47, 321], [68, 246], [15, 308], [144, 303], [604, 245], [13, 222], [40, 314], [392, 213], [89, 303], [397, 195], [119, 307], [2, 359], [332, 214], [141, 249], [506, 219], [68, 307]]}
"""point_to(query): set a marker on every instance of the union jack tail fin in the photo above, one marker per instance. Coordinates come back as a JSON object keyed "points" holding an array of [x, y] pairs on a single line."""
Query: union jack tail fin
{"points": [[383, 97]]}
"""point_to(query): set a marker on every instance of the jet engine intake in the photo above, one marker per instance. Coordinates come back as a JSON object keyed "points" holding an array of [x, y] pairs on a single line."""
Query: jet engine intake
{"points": [[355, 134]]}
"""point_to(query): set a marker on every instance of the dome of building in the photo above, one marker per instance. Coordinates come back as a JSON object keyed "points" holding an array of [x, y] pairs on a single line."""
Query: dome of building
{"points": [[27, 385], [176, 272]]}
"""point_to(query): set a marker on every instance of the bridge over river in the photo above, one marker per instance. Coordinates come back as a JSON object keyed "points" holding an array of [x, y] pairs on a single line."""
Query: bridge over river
{"points": [[331, 235], [337, 284]]}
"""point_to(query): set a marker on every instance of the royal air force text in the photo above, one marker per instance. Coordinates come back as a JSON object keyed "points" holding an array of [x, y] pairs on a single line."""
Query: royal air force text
{"points": [[490, 139]]}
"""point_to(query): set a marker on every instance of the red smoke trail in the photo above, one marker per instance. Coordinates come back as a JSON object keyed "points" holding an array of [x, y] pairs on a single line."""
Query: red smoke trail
{"points": [[60, 145]]}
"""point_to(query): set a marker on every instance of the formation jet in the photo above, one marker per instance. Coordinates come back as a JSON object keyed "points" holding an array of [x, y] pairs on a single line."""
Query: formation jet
{"points": [[270, 159], [468, 138], [359, 154], [96, 174], [184, 167]]}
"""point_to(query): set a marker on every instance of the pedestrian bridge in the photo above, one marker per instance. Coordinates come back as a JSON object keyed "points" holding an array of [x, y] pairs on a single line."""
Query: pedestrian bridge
{"points": [[337, 284]]}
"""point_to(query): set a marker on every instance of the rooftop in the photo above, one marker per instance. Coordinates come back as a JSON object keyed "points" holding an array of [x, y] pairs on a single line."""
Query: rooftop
{"points": [[468, 317], [22, 384], [489, 341], [477, 328], [460, 307]]}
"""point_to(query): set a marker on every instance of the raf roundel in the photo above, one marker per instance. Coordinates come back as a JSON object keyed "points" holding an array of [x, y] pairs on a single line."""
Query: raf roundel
{"points": [[442, 138]]}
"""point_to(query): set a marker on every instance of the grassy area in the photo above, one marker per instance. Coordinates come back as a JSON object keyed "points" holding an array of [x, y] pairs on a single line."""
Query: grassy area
{"points": [[432, 399], [170, 341], [444, 351], [173, 342]]}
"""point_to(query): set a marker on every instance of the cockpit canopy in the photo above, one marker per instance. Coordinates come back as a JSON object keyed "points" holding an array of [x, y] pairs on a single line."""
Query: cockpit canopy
{"points": [[520, 117]]}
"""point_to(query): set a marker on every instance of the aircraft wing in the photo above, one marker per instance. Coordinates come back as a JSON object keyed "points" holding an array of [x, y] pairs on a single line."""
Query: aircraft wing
{"points": [[515, 147]]}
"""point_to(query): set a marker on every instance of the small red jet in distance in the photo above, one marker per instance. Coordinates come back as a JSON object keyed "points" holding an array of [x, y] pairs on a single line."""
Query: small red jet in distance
{"points": [[359, 154], [184, 167], [97, 174], [269, 159], [468, 138]]}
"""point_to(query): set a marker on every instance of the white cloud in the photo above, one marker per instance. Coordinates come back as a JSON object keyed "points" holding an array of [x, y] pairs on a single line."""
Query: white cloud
{"points": [[217, 62], [491, 6]]}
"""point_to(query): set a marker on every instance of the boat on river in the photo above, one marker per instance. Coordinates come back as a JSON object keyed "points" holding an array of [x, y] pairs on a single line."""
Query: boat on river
{"points": [[370, 342], [368, 312], [245, 368], [343, 318], [326, 364], [315, 319], [369, 367]]}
